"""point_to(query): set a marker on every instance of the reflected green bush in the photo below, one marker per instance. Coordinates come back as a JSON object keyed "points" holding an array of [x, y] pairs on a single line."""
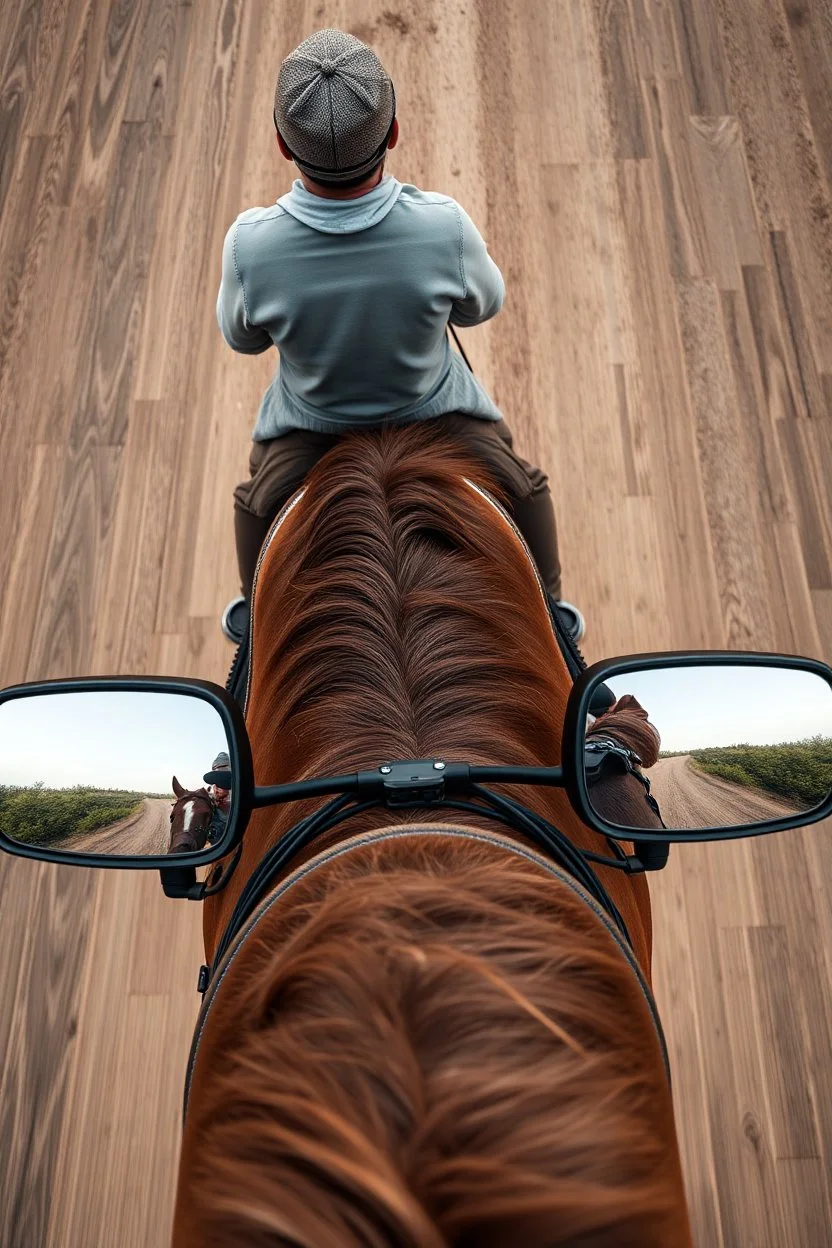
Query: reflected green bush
{"points": [[36, 815], [799, 770]]}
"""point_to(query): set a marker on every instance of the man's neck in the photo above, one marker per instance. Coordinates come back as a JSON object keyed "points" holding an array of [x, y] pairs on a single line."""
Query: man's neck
{"points": [[354, 192]]}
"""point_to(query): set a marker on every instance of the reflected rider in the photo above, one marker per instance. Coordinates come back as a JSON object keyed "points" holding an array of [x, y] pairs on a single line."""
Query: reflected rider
{"points": [[221, 799]]}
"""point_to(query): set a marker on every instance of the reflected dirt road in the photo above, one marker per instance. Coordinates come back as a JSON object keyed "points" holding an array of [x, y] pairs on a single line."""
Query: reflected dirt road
{"points": [[693, 799], [145, 832]]}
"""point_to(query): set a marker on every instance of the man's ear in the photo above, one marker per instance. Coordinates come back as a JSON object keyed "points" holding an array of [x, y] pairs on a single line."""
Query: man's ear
{"points": [[284, 151], [394, 134]]}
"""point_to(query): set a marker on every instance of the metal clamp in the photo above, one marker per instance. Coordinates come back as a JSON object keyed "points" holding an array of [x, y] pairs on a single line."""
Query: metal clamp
{"points": [[417, 783]]}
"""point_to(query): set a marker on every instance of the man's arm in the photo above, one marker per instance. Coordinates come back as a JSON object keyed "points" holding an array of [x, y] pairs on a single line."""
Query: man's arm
{"points": [[232, 313], [484, 287]]}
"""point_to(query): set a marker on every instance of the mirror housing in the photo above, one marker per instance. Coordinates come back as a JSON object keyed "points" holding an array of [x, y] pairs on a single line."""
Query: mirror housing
{"points": [[575, 740], [178, 866]]}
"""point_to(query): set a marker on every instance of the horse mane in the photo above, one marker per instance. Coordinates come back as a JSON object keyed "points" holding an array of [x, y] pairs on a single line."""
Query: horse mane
{"points": [[398, 621], [628, 722], [399, 618], [621, 798], [440, 1049], [435, 1055]]}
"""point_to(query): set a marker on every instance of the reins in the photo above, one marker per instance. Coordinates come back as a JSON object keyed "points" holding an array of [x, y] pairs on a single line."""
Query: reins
{"points": [[554, 843]]}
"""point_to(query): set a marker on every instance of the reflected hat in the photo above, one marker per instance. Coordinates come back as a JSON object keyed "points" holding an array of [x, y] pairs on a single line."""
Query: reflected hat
{"points": [[221, 763], [334, 106]]}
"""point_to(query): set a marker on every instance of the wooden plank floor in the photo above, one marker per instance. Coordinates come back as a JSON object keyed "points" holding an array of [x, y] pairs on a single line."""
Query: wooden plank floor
{"points": [[653, 177]]}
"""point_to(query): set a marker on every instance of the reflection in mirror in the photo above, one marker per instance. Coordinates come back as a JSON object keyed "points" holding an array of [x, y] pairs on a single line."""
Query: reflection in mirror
{"points": [[720, 745], [115, 772]]}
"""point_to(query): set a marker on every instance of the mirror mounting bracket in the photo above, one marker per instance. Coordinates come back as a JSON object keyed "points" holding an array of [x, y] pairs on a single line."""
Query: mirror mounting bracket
{"points": [[181, 882], [652, 855], [649, 856]]}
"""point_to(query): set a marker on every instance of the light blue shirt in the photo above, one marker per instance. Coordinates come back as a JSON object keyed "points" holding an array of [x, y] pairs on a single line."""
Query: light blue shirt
{"points": [[356, 295]]}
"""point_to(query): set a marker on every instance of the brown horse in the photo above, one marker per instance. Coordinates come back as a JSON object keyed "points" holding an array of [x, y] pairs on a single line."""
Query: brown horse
{"points": [[429, 1036], [190, 819]]}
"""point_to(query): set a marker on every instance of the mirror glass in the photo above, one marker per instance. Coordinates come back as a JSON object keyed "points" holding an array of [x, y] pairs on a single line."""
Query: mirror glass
{"points": [[720, 745], [112, 772]]}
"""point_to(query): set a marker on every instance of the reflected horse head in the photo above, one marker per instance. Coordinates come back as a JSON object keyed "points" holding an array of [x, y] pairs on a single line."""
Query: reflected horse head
{"points": [[190, 819]]}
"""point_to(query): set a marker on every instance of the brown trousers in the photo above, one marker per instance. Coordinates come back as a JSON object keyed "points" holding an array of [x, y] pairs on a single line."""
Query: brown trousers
{"points": [[279, 466]]}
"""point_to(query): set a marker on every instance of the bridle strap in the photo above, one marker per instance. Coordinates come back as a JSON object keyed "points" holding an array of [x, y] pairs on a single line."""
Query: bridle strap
{"points": [[387, 834]]}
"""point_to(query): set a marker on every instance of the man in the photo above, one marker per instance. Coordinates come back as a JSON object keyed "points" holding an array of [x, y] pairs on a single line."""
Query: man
{"points": [[354, 278], [222, 800]]}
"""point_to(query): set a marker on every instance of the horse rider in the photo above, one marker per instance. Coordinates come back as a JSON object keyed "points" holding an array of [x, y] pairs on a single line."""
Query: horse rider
{"points": [[354, 277], [221, 799]]}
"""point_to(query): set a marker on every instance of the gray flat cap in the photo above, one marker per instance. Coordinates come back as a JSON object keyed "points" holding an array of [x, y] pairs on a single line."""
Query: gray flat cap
{"points": [[334, 106]]}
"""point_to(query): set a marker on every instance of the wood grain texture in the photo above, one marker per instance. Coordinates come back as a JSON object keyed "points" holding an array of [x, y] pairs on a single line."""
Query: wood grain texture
{"points": [[17, 88], [54, 912], [790, 185], [653, 177], [810, 28]]}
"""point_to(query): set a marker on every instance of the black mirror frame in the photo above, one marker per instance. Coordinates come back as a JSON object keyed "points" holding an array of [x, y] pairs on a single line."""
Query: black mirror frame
{"points": [[572, 752], [241, 766]]}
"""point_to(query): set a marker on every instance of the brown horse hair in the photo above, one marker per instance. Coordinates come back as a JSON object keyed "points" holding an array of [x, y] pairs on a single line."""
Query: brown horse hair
{"points": [[182, 842], [619, 798], [399, 622], [628, 722], [443, 1054], [434, 1057]]}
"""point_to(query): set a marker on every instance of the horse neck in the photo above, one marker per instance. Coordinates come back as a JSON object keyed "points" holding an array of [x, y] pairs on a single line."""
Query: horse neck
{"points": [[245, 992], [396, 615]]}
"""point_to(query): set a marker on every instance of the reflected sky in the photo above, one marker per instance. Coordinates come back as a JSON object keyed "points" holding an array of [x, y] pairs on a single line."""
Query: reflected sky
{"points": [[696, 707], [113, 740]]}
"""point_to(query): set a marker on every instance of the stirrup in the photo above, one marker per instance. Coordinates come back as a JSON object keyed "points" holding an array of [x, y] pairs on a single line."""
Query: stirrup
{"points": [[234, 619], [571, 618]]}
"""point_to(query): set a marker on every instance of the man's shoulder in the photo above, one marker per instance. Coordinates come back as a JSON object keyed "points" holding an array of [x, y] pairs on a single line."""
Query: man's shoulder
{"points": [[433, 212], [415, 197], [259, 232], [261, 223], [266, 220], [257, 216]]}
